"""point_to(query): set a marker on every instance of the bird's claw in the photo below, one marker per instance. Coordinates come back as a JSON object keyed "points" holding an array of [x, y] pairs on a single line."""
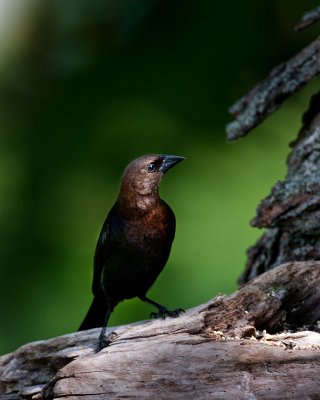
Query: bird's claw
{"points": [[105, 341], [164, 312]]}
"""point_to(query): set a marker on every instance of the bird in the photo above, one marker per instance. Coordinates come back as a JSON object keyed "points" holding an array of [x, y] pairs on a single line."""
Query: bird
{"points": [[134, 243]]}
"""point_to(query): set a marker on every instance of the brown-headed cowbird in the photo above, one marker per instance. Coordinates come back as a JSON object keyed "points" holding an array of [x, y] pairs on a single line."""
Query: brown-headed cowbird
{"points": [[134, 243]]}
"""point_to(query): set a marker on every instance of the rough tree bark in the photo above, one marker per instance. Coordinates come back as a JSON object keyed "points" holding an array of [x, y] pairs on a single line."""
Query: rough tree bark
{"points": [[292, 210], [291, 213], [262, 342]]}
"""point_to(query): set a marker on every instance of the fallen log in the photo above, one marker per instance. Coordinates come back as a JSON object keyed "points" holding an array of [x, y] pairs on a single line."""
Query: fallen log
{"points": [[255, 343]]}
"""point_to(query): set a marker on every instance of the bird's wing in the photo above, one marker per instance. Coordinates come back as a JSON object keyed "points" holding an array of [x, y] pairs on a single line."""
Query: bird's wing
{"points": [[102, 252]]}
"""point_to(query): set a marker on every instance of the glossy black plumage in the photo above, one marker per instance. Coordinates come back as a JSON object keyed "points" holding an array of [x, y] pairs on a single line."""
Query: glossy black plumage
{"points": [[134, 243]]}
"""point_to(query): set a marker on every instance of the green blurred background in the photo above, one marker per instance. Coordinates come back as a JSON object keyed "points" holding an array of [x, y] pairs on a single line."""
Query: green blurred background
{"points": [[87, 86]]}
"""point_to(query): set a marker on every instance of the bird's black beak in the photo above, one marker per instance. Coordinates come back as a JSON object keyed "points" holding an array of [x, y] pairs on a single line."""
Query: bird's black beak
{"points": [[169, 161]]}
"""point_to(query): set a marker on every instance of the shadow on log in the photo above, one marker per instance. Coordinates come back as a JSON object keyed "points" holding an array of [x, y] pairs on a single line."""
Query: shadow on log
{"points": [[217, 350]]}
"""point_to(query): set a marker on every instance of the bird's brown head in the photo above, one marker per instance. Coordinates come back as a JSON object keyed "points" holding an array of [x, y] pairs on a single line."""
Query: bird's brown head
{"points": [[143, 175]]}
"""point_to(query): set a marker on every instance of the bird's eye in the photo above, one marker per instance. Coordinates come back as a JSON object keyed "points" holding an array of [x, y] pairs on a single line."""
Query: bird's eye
{"points": [[151, 167]]}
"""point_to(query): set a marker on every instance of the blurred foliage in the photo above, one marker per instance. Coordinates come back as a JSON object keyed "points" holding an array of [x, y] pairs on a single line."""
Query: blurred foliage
{"points": [[87, 86]]}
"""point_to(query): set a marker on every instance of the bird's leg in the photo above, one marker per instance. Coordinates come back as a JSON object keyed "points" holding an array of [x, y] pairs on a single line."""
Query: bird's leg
{"points": [[163, 311], [105, 341]]}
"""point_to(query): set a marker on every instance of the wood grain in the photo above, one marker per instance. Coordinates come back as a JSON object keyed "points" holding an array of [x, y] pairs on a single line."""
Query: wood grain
{"points": [[231, 347]]}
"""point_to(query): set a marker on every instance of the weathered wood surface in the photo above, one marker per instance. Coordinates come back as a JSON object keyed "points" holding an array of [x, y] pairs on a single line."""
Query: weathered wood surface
{"points": [[284, 80], [215, 351], [308, 19], [266, 97], [291, 212]]}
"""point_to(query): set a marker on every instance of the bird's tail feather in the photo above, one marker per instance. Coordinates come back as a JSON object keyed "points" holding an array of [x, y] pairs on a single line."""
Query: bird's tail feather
{"points": [[96, 315]]}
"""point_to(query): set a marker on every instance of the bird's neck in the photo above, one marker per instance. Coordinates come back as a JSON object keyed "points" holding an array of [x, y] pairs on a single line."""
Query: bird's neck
{"points": [[133, 204]]}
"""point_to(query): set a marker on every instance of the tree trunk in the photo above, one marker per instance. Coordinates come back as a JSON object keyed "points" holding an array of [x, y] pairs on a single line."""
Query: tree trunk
{"points": [[291, 213]]}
